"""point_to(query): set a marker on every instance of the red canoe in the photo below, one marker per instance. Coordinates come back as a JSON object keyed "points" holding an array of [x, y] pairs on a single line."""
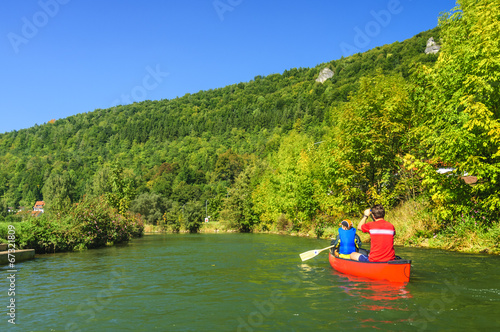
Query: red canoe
{"points": [[394, 271]]}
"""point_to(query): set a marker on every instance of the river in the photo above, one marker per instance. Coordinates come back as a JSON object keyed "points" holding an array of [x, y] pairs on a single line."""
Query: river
{"points": [[246, 282]]}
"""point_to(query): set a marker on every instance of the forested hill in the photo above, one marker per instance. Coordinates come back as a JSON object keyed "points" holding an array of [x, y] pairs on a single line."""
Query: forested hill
{"points": [[266, 102], [286, 152], [192, 131]]}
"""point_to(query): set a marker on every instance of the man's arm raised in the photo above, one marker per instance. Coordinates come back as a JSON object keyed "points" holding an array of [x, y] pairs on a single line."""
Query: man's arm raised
{"points": [[366, 214]]}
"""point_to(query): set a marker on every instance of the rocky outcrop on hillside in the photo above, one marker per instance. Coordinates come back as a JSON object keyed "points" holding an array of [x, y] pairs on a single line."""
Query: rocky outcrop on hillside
{"points": [[325, 74], [432, 47]]}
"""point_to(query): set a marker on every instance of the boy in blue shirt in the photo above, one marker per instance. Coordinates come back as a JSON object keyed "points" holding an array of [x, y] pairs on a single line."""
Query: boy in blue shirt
{"points": [[347, 241]]}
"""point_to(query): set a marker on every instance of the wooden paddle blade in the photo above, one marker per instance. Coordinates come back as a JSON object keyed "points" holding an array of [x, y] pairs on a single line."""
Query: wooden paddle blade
{"points": [[309, 254], [312, 253]]}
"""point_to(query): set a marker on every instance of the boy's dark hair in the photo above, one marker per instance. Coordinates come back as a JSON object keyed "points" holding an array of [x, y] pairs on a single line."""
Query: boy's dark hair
{"points": [[378, 211]]}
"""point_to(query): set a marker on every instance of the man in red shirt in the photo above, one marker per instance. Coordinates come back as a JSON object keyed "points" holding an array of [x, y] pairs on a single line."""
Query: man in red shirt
{"points": [[382, 237]]}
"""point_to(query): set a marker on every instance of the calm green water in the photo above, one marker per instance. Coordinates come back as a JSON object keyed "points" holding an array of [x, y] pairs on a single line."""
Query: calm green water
{"points": [[246, 282]]}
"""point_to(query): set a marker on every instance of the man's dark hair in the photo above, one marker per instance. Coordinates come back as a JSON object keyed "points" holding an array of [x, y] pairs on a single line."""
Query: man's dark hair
{"points": [[378, 211]]}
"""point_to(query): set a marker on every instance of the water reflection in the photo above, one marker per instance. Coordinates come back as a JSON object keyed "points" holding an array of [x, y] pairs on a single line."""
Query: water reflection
{"points": [[382, 298], [374, 290]]}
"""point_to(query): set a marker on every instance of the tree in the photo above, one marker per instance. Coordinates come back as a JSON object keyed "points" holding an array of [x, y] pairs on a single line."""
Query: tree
{"points": [[28, 200], [193, 216], [173, 216], [237, 210], [122, 190], [287, 186], [463, 115], [150, 205], [57, 191], [183, 192], [100, 184], [228, 166], [369, 137]]}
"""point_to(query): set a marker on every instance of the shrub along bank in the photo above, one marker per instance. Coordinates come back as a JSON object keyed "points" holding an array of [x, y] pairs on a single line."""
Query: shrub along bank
{"points": [[93, 223]]}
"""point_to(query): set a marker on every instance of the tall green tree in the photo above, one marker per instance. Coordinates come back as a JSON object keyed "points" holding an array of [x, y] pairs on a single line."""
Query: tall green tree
{"points": [[237, 210], [122, 190], [150, 206], [286, 186], [463, 116], [228, 166], [193, 212], [100, 183], [369, 137], [57, 191]]}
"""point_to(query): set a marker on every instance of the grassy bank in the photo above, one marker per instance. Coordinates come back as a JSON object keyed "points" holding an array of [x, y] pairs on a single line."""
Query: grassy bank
{"points": [[470, 233]]}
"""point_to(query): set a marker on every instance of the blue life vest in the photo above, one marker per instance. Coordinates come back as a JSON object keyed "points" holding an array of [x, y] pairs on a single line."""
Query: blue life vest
{"points": [[347, 244]]}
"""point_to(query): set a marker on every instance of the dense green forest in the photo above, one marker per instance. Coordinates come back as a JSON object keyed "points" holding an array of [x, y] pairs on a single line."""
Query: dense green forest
{"points": [[284, 151]]}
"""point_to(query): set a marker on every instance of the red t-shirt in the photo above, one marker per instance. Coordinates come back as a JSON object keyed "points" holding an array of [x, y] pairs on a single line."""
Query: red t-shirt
{"points": [[382, 240]]}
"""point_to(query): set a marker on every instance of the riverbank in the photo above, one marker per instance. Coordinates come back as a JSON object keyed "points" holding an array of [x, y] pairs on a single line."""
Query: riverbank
{"points": [[470, 243], [414, 228], [473, 243], [92, 223]]}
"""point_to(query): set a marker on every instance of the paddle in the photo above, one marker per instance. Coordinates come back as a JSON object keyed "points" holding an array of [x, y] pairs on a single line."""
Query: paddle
{"points": [[312, 253]]}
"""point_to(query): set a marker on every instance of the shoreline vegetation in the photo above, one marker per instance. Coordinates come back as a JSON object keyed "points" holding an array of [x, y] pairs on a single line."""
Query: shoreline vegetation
{"points": [[417, 132], [414, 228], [94, 224], [90, 224]]}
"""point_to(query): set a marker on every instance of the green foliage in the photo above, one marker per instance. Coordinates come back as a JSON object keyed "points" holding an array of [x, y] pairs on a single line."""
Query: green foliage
{"points": [[188, 216], [58, 190], [122, 190], [98, 223], [474, 221], [237, 210], [173, 217], [192, 216], [150, 206], [228, 166], [358, 163], [462, 116], [90, 224], [4, 210], [100, 182], [4, 228], [286, 186], [48, 236], [282, 151], [283, 224]]}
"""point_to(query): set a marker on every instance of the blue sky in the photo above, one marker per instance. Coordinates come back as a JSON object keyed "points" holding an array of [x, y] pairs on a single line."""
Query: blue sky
{"points": [[63, 57]]}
